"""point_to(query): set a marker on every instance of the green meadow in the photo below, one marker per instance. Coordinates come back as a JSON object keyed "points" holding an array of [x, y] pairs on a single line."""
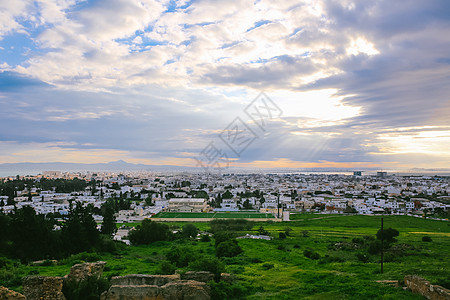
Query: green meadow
{"points": [[341, 267], [214, 215]]}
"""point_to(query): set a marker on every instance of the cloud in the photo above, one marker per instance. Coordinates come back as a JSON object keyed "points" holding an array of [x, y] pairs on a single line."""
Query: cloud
{"points": [[160, 78]]}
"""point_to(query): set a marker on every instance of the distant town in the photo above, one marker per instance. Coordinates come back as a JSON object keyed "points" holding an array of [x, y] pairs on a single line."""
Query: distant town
{"points": [[148, 194]]}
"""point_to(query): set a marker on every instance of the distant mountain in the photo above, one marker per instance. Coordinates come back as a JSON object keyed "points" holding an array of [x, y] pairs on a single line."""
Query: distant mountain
{"points": [[12, 169]]}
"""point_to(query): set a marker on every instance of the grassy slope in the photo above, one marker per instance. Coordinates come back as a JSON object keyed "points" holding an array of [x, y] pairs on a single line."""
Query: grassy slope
{"points": [[294, 276]]}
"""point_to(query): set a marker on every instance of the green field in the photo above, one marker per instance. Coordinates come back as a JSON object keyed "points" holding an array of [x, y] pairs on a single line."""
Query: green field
{"points": [[278, 269], [214, 215]]}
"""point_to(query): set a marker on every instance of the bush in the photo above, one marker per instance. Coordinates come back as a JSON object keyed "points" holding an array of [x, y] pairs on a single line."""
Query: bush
{"points": [[230, 225], [221, 236], [309, 253], [282, 235], [189, 230], [205, 238], [87, 289], [359, 241], [228, 248], [374, 247], [281, 247], [149, 232], [362, 257], [180, 256], [226, 291], [426, 239], [210, 264], [166, 268], [267, 266]]}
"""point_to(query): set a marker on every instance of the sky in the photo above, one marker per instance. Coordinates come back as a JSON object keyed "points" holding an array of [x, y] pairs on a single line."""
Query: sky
{"points": [[215, 83]]}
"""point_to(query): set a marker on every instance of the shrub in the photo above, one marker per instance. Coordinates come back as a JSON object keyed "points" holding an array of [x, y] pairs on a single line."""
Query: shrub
{"points": [[262, 231], [149, 232], [362, 257], [235, 269], [426, 239], [281, 247], [282, 235], [359, 241], [205, 238], [190, 230], [228, 248], [287, 231], [87, 289], [267, 266], [388, 257], [180, 256], [221, 236], [311, 254], [210, 264], [225, 291], [374, 247], [230, 225], [166, 268], [296, 246]]}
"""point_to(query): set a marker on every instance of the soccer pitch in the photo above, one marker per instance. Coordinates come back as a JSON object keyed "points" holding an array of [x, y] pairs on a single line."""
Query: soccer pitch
{"points": [[214, 215]]}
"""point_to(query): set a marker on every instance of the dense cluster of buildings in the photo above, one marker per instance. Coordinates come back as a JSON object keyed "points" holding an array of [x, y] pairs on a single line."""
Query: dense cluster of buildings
{"points": [[269, 193]]}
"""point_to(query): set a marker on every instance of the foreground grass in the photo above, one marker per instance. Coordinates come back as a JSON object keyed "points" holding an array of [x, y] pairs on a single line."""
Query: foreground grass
{"points": [[278, 269]]}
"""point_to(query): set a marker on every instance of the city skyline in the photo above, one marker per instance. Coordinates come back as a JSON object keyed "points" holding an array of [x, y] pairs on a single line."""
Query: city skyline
{"points": [[358, 85]]}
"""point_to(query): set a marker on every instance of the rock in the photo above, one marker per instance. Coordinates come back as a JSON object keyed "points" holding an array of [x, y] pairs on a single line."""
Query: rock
{"points": [[185, 290], [227, 277], [43, 288], [7, 294], [423, 287], [140, 279], [201, 276], [82, 271]]}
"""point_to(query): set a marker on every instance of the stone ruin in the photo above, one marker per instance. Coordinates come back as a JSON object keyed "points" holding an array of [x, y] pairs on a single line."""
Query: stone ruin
{"points": [[46, 288], [155, 287], [186, 286], [421, 286], [7, 294]]}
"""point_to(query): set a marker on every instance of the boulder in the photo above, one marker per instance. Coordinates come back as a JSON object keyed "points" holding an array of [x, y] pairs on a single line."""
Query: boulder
{"points": [[43, 288], [85, 270], [7, 294]]}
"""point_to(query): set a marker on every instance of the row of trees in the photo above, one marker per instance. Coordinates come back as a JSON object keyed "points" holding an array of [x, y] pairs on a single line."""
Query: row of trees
{"points": [[28, 236]]}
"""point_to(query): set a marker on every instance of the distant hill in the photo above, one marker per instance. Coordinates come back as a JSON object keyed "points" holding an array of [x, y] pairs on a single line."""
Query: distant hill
{"points": [[12, 169], [27, 168]]}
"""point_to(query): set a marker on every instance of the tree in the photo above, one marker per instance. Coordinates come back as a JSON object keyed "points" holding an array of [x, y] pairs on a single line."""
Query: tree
{"points": [[247, 204], [209, 264], [388, 235], [227, 195], [262, 231], [80, 229], [228, 248], [149, 232], [31, 235], [109, 221], [190, 230]]}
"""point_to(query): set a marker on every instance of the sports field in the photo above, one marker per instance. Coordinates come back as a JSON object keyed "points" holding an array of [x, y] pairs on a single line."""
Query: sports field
{"points": [[214, 215]]}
